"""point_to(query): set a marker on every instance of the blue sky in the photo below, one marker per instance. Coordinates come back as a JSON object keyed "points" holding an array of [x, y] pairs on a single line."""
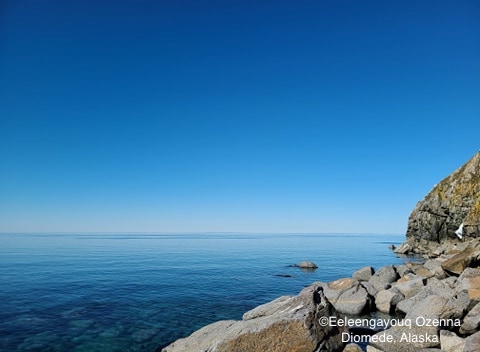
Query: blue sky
{"points": [[249, 116]]}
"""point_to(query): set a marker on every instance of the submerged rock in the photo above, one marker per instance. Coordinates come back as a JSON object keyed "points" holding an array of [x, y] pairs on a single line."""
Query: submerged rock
{"points": [[286, 324]]}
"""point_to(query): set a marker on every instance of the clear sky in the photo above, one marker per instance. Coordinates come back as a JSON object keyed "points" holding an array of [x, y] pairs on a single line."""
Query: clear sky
{"points": [[249, 116]]}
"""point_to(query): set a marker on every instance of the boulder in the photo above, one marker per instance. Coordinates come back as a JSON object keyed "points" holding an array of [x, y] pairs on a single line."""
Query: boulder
{"points": [[405, 339], [352, 347], [409, 286], [421, 270], [431, 307], [306, 265], [267, 309], [471, 322], [283, 325], [472, 343], [437, 298], [404, 248], [469, 281], [347, 296], [387, 300], [435, 266], [363, 274], [369, 287], [450, 342], [450, 282], [383, 278], [460, 261], [402, 270]]}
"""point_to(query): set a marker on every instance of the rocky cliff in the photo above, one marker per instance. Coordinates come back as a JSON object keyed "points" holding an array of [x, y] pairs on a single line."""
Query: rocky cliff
{"points": [[452, 202]]}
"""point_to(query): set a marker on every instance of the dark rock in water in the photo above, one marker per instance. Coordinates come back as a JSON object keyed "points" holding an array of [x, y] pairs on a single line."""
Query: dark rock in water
{"points": [[284, 325], [450, 211], [392, 247], [283, 275]]}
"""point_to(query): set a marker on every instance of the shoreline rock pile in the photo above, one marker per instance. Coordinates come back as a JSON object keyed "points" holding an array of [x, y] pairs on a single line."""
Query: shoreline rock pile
{"points": [[434, 310]]}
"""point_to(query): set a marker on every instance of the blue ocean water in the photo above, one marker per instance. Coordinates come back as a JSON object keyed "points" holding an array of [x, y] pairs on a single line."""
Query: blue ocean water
{"points": [[137, 292]]}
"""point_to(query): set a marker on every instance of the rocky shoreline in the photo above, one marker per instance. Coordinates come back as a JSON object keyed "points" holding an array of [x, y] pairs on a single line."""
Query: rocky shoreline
{"points": [[429, 306], [424, 306]]}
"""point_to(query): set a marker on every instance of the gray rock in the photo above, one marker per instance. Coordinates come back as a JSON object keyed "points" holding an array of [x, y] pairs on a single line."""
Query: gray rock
{"points": [[466, 302], [431, 307], [306, 265], [352, 347], [347, 296], [435, 287], [422, 271], [267, 309], [404, 248], [454, 309], [383, 278], [402, 270], [409, 286], [450, 282], [406, 339], [283, 325], [472, 343], [471, 322], [363, 274], [369, 287], [434, 303], [406, 305], [387, 300], [450, 342]]}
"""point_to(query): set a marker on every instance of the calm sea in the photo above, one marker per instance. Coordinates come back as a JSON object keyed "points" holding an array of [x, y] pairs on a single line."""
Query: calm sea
{"points": [[137, 292]]}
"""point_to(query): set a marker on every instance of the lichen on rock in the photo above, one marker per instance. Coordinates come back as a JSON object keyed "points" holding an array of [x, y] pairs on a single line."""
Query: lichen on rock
{"points": [[452, 202]]}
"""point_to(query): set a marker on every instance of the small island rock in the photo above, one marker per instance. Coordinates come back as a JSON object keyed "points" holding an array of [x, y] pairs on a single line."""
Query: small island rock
{"points": [[306, 265]]}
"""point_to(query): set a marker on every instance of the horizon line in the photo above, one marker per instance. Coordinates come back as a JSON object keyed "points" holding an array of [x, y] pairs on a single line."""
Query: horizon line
{"points": [[194, 233]]}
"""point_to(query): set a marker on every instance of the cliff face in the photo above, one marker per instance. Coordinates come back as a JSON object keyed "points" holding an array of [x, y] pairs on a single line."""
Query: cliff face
{"points": [[453, 201]]}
